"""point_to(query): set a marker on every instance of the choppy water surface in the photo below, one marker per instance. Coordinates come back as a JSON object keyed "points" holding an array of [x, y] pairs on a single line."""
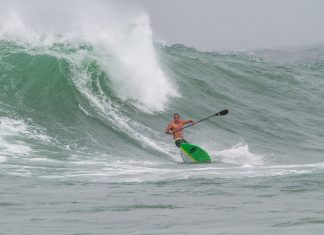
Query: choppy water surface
{"points": [[82, 143]]}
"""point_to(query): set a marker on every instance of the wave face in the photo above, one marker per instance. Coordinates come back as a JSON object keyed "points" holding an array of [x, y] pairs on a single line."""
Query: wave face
{"points": [[92, 96], [84, 101]]}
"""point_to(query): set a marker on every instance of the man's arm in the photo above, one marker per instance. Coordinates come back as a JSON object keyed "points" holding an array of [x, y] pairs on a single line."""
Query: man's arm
{"points": [[188, 121], [168, 130]]}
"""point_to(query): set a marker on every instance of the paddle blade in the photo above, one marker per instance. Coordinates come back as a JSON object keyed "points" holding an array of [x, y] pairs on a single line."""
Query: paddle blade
{"points": [[221, 113]]}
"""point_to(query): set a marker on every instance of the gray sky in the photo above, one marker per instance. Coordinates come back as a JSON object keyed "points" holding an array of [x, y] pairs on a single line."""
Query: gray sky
{"points": [[236, 24]]}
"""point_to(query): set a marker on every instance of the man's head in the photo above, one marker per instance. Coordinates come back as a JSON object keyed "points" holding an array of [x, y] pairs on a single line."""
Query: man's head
{"points": [[176, 117]]}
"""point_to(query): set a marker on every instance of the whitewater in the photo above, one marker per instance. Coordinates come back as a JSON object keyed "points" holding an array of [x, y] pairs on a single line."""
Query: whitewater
{"points": [[84, 101]]}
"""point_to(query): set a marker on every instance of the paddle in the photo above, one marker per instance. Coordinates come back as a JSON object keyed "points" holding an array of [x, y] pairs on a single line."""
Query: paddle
{"points": [[221, 113]]}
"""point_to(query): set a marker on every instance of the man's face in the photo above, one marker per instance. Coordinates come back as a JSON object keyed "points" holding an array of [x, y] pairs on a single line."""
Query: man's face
{"points": [[176, 118]]}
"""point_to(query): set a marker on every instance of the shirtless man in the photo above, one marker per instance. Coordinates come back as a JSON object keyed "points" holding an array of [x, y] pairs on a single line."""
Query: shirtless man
{"points": [[175, 125]]}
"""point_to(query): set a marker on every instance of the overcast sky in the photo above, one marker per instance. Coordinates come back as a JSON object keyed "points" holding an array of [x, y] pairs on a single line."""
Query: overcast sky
{"points": [[236, 24]]}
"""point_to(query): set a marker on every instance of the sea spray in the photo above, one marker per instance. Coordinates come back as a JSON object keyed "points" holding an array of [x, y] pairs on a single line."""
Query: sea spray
{"points": [[122, 44]]}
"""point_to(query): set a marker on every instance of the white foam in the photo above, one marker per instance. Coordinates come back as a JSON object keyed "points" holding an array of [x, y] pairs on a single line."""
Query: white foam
{"points": [[9, 129], [121, 37], [84, 110], [112, 112], [122, 43], [3, 159], [240, 155], [134, 68], [11, 132]]}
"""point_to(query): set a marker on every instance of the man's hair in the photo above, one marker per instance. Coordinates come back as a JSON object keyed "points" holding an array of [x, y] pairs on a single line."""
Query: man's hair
{"points": [[176, 114]]}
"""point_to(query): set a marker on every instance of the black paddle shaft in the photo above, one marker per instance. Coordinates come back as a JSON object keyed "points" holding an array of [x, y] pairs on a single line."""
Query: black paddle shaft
{"points": [[221, 113]]}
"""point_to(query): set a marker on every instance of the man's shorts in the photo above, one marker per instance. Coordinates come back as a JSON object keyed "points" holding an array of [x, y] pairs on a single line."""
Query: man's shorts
{"points": [[178, 142]]}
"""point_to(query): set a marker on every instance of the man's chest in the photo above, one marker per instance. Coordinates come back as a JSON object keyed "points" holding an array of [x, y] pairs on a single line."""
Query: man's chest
{"points": [[177, 126]]}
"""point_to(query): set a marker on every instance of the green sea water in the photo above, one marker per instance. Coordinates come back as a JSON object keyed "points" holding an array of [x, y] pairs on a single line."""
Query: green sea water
{"points": [[83, 149]]}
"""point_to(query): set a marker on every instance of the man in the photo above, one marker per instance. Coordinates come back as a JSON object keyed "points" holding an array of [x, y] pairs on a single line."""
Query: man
{"points": [[174, 126]]}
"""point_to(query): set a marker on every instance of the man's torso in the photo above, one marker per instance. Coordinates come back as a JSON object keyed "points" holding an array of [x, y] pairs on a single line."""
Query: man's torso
{"points": [[175, 127]]}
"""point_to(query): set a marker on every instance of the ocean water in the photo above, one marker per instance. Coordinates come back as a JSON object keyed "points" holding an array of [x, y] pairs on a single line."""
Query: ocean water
{"points": [[83, 108]]}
